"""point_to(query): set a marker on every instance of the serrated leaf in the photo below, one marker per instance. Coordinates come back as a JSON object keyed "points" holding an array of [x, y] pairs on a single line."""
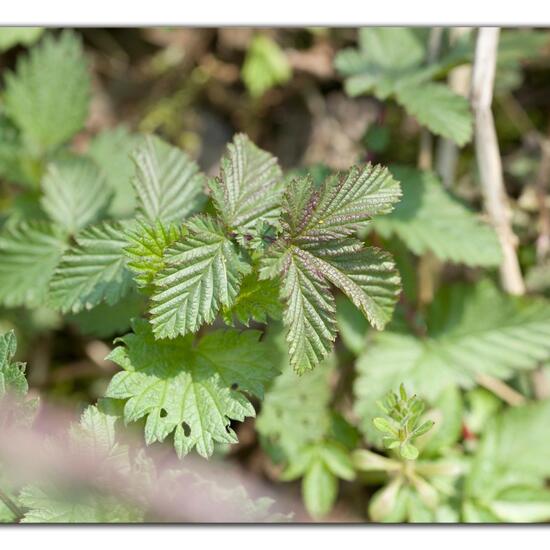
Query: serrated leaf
{"points": [[11, 36], [75, 193], [203, 272], [471, 330], [193, 391], [111, 149], [168, 183], [249, 187], [257, 301], [49, 93], [429, 218], [92, 271], [344, 203], [314, 250], [438, 108], [265, 66], [29, 254], [147, 243]]}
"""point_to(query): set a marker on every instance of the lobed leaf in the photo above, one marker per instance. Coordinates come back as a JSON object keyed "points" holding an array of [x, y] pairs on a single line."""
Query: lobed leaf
{"points": [[193, 391]]}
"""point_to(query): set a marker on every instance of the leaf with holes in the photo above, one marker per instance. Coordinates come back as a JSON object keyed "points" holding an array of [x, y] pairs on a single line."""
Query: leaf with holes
{"points": [[192, 391]]}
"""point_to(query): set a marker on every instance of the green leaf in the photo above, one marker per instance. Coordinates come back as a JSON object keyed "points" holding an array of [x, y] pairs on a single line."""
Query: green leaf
{"points": [[11, 36], [111, 149], [440, 109], [319, 489], [337, 460], [15, 407], [147, 244], [29, 254], [522, 505], [513, 452], [92, 271], [193, 391], [265, 66], [168, 183], [471, 330], [48, 95], [394, 48], [257, 300], [75, 193], [104, 320], [344, 203], [249, 187], [52, 506], [314, 250], [203, 272], [295, 411], [429, 218]]}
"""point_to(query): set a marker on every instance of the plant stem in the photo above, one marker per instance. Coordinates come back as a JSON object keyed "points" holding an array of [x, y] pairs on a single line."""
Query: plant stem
{"points": [[16, 511], [501, 389], [488, 157]]}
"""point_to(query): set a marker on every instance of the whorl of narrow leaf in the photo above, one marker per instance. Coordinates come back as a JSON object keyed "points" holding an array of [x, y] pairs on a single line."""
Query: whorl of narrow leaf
{"points": [[249, 187], [75, 193], [168, 183], [147, 244], [29, 254], [48, 95], [203, 272], [193, 391], [315, 250], [92, 271]]}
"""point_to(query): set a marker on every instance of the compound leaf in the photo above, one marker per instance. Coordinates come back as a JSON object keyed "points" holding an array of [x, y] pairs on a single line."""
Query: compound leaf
{"points": [[193, 391]]}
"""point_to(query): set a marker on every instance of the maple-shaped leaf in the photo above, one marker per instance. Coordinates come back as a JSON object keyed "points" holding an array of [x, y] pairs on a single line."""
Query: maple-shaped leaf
{"points": [[249, 187], [316, 250], [190, 390], [203, 272]]}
